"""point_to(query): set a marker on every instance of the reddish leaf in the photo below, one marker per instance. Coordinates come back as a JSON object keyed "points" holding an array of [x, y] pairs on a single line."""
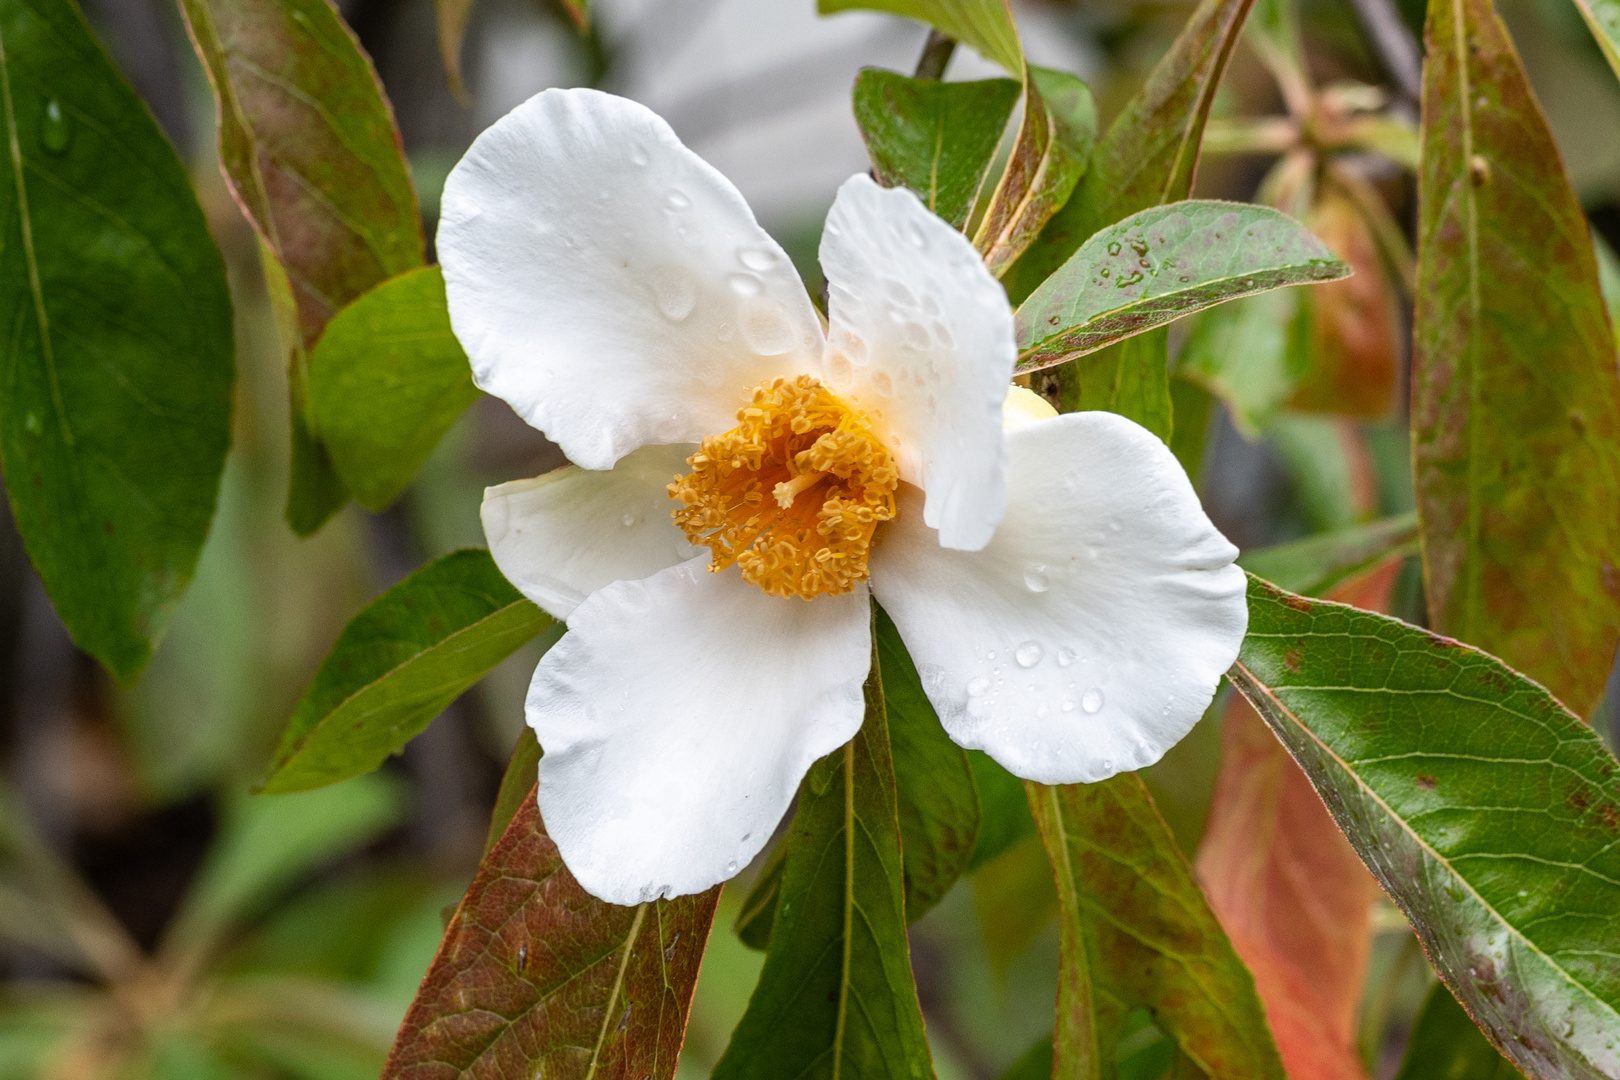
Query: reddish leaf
{"points": [[308, 146], [1516, 419], [1291, 892], [1355, 321], [536, 977], [1292, 895]]}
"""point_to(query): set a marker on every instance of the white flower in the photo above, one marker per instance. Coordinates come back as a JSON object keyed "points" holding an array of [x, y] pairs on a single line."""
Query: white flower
{"points": [[1068, 604]]}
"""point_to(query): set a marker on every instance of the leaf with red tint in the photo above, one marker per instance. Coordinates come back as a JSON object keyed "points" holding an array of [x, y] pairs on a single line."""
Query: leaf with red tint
{"points": [[1291, 892], [308, 145], [536, 977], [1516, 410], [1292, 895], [1355, 321]]}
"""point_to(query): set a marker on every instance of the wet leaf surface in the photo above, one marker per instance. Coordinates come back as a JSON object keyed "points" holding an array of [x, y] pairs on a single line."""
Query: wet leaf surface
{"points": [[1162, 264], [115, 414]]}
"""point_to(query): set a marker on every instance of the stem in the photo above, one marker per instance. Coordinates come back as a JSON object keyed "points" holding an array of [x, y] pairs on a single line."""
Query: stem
{"points": [[935, 56]]}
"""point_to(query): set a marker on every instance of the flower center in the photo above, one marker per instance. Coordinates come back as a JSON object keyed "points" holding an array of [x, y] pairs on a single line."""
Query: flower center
{"points": [[792, 493]]}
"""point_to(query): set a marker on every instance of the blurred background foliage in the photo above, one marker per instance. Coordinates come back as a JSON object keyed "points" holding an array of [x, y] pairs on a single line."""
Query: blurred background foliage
{"points": [[157, 920]]}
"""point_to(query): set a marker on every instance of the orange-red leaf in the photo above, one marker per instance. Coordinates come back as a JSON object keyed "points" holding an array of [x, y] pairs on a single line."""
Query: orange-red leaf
{"points": [[1287, 886], [536, 977]]}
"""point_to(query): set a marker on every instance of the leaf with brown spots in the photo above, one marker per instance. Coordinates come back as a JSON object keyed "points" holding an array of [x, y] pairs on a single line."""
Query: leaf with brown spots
{"points": [[1516, 417], [1477, 801], [536, 977]]}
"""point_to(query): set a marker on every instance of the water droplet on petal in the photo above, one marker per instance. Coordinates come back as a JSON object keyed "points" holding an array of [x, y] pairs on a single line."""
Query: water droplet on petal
{"points": [[917, 336], [638, 157], [1036, 579], [674, 292], [1092, 700], [883, 384], [991, 655], [1068, 705], [765, 328], [676, 200], [1066, 657], [745, 284], [628, 520], [978, 686], [919, 238], [756, 258], [1028, 654], [1042, 711]]}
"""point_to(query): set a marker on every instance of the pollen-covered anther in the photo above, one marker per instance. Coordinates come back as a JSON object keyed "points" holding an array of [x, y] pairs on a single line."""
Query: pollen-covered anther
{"points": [[792, 494]]}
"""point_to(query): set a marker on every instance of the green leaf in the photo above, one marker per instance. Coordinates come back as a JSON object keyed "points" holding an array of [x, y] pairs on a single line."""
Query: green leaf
{"points": [[1162, 264], [1240, 352], [986, 25], [934, 790], [1317, 563], [1137, 933], [516, 784], [536, 977], [758, 914], [115, 404], [398, 664], [1150, 153], [1130, 378], [1487, 811], [936, 138], [266, 843], [1603, 19], [1193, 407], [1446, 1045], [1048, 159], [1034, 1064], [836, 995], [1003, 809], [1516, 414], [386, 380], [308, 144]]}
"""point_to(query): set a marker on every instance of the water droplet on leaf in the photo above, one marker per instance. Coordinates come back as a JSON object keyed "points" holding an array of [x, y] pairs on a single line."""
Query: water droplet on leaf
{"points": [[55, 130]]}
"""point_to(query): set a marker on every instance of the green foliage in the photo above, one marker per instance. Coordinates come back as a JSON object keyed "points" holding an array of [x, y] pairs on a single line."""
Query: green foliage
{"points": [[539, 976], [1137, 933], [398, 664], [1487, 811], [836, 995], [1241, 353], [1048, 159], [1517, 420], [1161, 264], [937, 803], [987, 25], [1317, 563], [1151, 150], [386, 380], [308, 143], [936, 138], [1603, 19], [116, 408], [1446, 1044]]}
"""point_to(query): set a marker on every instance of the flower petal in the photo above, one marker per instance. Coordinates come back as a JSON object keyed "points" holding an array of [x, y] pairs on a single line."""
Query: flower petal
{"points": [[610, 285], [921, 338], [1090, 634], [678, 715], [561, 536]]}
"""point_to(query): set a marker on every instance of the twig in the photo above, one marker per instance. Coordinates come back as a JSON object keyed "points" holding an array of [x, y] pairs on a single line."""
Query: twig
{"points": [[1395, 45], [935, 56]]}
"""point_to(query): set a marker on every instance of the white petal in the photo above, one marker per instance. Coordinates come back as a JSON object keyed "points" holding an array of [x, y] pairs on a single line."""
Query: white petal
{"points": [[921, 337], [678, 715], [1089, 635], [609, 284], [561, 536]]}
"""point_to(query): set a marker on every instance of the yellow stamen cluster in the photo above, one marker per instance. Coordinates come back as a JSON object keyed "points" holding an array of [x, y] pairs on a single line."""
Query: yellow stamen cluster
{"points": [[792, 494]]}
